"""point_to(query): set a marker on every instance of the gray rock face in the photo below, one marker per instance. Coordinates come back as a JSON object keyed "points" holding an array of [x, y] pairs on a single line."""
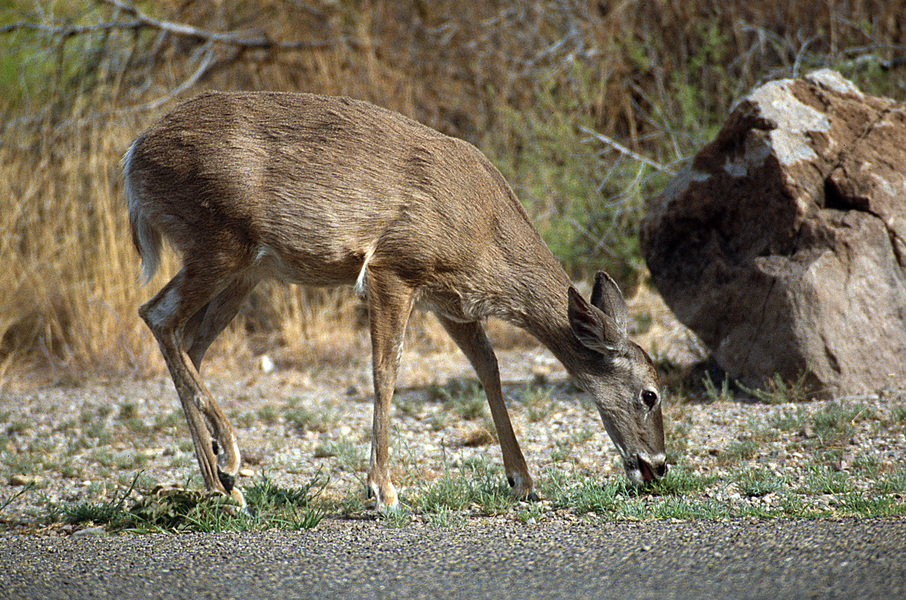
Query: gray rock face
{"points": [[783, 243]]}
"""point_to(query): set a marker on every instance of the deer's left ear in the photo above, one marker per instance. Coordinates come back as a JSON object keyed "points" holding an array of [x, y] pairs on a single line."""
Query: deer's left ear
{"points": [[595, 329], [606, 295]]}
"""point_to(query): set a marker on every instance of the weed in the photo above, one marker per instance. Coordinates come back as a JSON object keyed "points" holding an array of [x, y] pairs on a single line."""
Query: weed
{"points": [[792, 505], [268, 414], [538, 403], [169, 421], [581, 494], [789, 419], [777, 390], [396, 519], [581, 436], [267, 493], [243, 419], [857, 503], [762, 431], [739, 450], [898, 415], [678, 507], [103, 513], [676, 438], [757, 482], [17, 426], [439, 421], [563, 452], [182, 460], [269, 507], [680, 479], [834, 424], [713, 393], [412, 404], [349, 455], [824, 480], [305, 419], [354, 502], [461, 397], [445, 518], [867, 465], [475, 485], [892, 483], [533, 513]]}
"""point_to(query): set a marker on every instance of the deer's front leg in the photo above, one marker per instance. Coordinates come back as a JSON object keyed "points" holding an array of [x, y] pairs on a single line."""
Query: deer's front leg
{"points": [[389, 305], [471, 339]]}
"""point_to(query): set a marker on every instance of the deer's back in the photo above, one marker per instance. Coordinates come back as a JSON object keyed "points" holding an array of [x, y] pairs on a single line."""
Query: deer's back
{"points": [[312, 185]]}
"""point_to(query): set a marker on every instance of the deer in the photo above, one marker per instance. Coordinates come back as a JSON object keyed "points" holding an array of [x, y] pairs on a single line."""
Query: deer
{"points": [[328, 191]]}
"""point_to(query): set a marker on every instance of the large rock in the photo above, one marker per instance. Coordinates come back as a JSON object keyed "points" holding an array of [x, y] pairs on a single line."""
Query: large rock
{"points": [[783, 243]]}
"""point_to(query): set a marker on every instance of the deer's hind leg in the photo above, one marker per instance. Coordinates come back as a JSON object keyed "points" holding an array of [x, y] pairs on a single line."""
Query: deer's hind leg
{"points": [[208, 298], [206, 324]]}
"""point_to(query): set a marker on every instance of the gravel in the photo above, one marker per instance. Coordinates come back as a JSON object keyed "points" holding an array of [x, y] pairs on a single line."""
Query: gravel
{"points": [[87, 442], [491, 559]]}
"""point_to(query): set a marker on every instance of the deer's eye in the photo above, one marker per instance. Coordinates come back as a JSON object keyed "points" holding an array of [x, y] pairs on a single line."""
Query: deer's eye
{"points": [[649, 398]]}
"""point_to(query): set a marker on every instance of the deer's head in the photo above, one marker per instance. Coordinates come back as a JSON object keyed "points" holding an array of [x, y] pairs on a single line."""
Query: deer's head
{"points": [[621, 379]]}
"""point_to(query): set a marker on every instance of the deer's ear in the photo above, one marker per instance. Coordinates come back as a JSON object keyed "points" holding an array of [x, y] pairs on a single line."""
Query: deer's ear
{"points": [[595, 329], [606, 296]]}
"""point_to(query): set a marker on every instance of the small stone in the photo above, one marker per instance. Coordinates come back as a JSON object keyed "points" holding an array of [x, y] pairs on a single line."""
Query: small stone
{"points": [[35, 480]]}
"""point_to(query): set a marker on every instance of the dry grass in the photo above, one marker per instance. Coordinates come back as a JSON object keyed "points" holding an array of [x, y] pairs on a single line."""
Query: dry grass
{"points": [[515, 78]]}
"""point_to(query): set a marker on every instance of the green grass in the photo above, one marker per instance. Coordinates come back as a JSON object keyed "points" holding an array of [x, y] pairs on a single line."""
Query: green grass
{"points": [[475, 485], [306, 419], [776, 390], [476, 488], [758, 482], [463, 398], [739, 450], [538, 402], [269, 507]]}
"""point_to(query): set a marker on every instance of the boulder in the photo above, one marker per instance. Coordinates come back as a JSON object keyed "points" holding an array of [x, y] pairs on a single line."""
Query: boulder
{"points": [[783, 243]]}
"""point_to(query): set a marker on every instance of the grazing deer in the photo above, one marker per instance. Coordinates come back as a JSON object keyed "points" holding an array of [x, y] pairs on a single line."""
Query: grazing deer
{"points": [[325, 191]]}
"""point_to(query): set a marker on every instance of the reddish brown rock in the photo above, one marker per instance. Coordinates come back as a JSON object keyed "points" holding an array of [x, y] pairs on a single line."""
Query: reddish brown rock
{"points": [[783, 243]]}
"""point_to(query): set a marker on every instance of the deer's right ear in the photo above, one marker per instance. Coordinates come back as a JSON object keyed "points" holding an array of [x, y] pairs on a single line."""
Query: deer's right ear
{"points": [[595, 330]]}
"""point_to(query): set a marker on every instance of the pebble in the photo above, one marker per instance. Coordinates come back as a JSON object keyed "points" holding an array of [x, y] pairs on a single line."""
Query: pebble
{"points": [[33, 480]]}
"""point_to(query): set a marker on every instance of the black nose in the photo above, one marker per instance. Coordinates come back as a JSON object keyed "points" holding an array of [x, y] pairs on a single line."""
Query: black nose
{"points": [[660, 470], [652, 471]]}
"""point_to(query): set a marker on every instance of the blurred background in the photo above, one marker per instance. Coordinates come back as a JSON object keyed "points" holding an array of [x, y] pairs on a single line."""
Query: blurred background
{"points": [[587, 107]]}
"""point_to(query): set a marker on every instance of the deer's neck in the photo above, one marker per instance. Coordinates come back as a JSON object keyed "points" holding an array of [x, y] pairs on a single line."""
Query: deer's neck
{"points": [[545, 314]]}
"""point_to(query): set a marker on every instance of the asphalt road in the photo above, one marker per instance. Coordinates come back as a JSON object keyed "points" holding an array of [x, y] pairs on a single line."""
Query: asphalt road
{"points": [[342, 559]]}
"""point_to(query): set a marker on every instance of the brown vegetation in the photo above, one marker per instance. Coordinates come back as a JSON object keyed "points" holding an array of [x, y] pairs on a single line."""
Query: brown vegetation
{"points": [[524, 81]]}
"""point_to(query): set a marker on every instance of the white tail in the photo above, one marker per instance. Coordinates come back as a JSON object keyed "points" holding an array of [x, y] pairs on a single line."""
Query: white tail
{"points": [[326, 191]]}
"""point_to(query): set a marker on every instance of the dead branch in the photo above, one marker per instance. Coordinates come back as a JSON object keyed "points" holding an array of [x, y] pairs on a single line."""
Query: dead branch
{"points": [[140, 20], [624, 150], [259, 42], [66, 31]]}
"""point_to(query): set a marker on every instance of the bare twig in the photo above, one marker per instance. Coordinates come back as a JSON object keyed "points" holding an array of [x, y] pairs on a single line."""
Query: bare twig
{"points": [[200, 72], [141, 20], [260, 41], [624, 150], [66, 31]]}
